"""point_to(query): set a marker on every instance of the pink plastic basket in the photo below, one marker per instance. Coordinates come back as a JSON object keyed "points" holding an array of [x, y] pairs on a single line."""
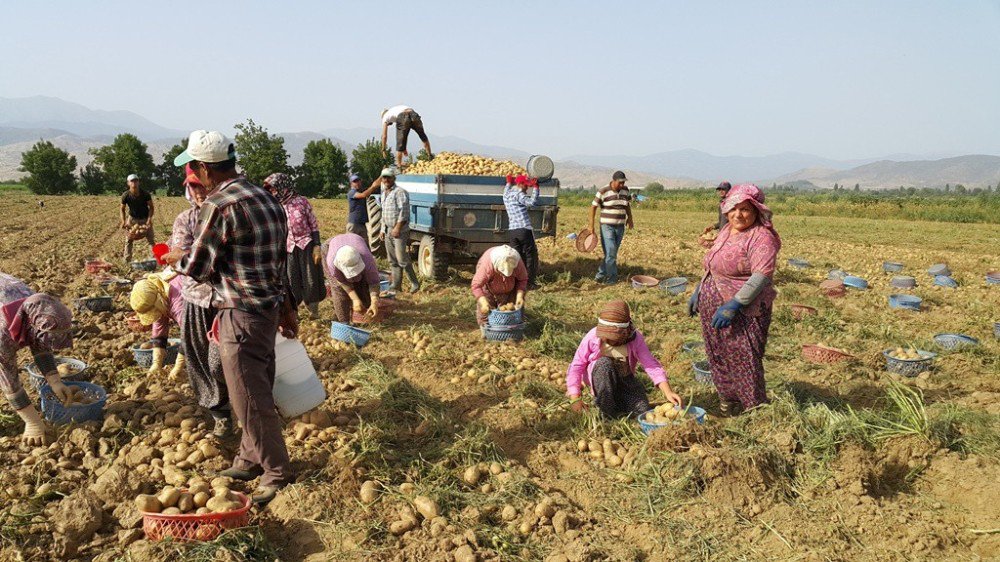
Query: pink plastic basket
{"points": [[206, 527]]}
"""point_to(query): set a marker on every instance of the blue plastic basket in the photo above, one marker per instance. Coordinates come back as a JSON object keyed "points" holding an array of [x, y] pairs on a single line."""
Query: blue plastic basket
{"points": [[855, 282], [39, 378], [993, 278], [799, 263], [909, 367], [702, 372], [694, 412], [892, 267], [144, 357], [505, 318], [938, 269], [955, 341], [675, 285], [503, 333], [903, 282], [349, 334], [908, 302], [55, 412], [945, 281], [694, 347]]}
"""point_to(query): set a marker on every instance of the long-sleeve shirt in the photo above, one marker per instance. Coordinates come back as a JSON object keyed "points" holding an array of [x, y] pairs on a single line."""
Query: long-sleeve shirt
{"points": [[736, 256], [302, 223], [589, 351], [175, 309], [182, 236], [517, 203], [11, 289], [240, 247], [395, 207], [488, 281], [370, 272]]}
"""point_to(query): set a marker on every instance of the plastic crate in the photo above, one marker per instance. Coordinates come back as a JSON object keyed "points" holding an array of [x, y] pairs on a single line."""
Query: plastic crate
{"points": [[192, 527], [694, 412], [909, 367], [55, 412], [349, 334], [821, 354], [702, 372]]}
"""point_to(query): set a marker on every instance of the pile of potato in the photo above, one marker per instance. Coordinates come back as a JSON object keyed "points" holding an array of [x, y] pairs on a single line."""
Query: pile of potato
{"points": [[909, 354], [465, 165], [477, 475], [200, 498], [65, 370], [509, 307], [317, 428], [664, 414], [137, 231], [607, 452], [78, 397]]}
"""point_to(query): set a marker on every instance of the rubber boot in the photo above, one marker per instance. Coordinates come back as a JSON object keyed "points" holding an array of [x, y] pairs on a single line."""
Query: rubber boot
{"points": [[412, 276], [397, 278]]}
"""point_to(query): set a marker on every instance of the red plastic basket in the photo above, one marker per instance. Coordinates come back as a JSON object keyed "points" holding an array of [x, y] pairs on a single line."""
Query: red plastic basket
{"points": [[95, 267], [191, 527], [135, 325], [833, 288], [820, 354], [385, 309], [800, 311]]}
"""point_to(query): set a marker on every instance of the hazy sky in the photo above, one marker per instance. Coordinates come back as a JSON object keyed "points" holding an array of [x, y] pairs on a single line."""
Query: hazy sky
{"points": [[840, 79]]}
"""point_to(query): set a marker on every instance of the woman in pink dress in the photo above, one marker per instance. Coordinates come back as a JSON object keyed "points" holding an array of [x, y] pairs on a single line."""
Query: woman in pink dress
{"points": [[735, 297], [304, 264]]}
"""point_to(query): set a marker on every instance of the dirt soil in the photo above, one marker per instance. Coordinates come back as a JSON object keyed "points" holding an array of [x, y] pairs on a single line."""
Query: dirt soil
{"points": [[471, 452]]}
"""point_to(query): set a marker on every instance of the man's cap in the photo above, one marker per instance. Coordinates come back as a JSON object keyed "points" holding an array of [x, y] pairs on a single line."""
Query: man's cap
{"points": [[206, 146], [131, 177], [355, 177], [388, 173], [725, 186], [619, 176]]}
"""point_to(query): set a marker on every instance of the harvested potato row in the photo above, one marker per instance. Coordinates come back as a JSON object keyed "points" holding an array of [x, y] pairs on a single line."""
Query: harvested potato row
{"points": [[606, 452], [465, 165]]}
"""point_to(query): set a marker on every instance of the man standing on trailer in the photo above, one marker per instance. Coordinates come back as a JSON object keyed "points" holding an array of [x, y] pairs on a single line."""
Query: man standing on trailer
{"points": [[405, 119]]}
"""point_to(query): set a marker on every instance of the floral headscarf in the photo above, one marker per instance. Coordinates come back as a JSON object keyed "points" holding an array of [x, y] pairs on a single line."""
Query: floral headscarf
{"points": [[40, 320], [281, 185], [753, 194]]}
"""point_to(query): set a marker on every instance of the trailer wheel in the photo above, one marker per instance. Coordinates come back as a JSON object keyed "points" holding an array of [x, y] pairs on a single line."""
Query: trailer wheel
{"points": [[374, 225], [431, 263]]}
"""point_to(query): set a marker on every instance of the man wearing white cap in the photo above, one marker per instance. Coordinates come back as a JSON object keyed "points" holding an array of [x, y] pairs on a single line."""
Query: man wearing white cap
{"points": [[354, 284], [136, 208], [501, 278], [396, 230], [240, 248]]}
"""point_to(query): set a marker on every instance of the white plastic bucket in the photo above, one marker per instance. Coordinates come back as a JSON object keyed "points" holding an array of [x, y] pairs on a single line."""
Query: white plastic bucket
{"points": [[297, 389]]}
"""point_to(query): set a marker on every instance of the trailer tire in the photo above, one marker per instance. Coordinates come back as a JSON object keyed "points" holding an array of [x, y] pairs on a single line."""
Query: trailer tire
{"points": [[374, 225], [431, 263]]}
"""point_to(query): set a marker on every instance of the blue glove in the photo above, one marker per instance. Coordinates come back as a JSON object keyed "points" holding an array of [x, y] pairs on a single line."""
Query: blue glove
{"points": [[693, 301], [723, 317]]}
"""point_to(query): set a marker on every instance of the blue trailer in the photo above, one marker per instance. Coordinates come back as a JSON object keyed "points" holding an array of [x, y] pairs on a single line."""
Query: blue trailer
{"points": [[454, 218]]}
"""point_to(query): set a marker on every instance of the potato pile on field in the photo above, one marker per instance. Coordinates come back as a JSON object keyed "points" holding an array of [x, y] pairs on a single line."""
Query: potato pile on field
{"points": [[464, 165], [664, 414], [905, 354]]}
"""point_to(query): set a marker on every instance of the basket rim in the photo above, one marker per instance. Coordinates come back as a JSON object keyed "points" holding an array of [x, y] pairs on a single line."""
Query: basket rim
{"points": [[349, 328], [647, 280], [675, 281], [694, 412], [59, 359], [956, 335], [247, 504], [929, 355]]}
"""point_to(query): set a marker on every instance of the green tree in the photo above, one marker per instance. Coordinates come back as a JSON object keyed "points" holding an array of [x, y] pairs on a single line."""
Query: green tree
{"points": [[423, 156], [857, 187], [259, 153], [50, 169], [92, 180], [171, 175], [653, 188], [323, 172], [125, 155], [960, 189], [368, 159]]}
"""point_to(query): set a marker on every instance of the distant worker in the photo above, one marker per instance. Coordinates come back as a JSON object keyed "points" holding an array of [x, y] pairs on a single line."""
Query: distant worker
{"points": [[405, 119], [722, 191], [357, 206], [139, 206], [304, 264], [519, 231], [396, 230], [616, 213]]}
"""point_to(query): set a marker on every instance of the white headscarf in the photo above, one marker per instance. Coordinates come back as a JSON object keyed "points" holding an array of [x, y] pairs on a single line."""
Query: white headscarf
{"points": [[505, 259]]}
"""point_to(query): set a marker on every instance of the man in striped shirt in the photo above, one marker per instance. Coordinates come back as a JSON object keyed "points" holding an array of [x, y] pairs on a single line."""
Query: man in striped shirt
{"points": [[616, 213], [519, 231]]}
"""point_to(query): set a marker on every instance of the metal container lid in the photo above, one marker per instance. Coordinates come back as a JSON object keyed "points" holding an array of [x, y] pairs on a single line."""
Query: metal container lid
{"points": [[540, 167]]}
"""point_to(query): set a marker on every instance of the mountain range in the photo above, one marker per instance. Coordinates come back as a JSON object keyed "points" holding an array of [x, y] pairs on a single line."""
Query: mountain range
{"points": [[76, 128]]}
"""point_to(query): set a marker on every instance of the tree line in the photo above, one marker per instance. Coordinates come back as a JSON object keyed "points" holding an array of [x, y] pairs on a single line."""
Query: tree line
{"points": [[323, 172]]}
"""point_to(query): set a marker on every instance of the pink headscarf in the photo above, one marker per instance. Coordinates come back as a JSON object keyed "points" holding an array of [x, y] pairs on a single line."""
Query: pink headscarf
{"points": [[753, 194]]}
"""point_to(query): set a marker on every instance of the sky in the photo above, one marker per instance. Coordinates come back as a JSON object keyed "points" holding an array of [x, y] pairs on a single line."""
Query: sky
{"points": [[844, 79]]}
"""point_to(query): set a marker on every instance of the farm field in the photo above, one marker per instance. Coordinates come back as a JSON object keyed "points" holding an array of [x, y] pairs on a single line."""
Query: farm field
{"points": [[848, 462]]}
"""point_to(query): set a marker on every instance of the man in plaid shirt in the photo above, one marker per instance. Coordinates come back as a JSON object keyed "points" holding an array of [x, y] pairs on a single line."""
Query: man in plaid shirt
{"points": [[396, 230], [239, 248], [519, 231]]}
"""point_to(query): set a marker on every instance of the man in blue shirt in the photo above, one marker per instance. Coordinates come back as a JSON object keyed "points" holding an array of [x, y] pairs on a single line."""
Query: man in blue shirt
{"points": [[357, 206], [519, 231]]}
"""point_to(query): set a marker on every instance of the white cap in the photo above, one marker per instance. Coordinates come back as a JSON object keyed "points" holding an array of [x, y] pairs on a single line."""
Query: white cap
{"points": [[388, 173], [206, 146], [349, 262], [131, 177], [505, 259]]}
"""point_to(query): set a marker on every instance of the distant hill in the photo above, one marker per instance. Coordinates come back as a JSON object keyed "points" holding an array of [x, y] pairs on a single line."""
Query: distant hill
{"points": [[42, 112], [977, 170]]}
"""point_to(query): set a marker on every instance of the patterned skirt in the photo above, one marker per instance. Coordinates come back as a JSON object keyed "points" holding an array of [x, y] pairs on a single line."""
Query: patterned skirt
{"points": [[203, 362], [735, 354], [304, 276]]}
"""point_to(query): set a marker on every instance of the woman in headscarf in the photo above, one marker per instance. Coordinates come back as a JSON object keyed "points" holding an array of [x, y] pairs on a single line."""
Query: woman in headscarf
{"points": [[202, 359], [43, 324], [351, 266], [735, 297], [606, 362], [304, 270], [501, 278]]}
